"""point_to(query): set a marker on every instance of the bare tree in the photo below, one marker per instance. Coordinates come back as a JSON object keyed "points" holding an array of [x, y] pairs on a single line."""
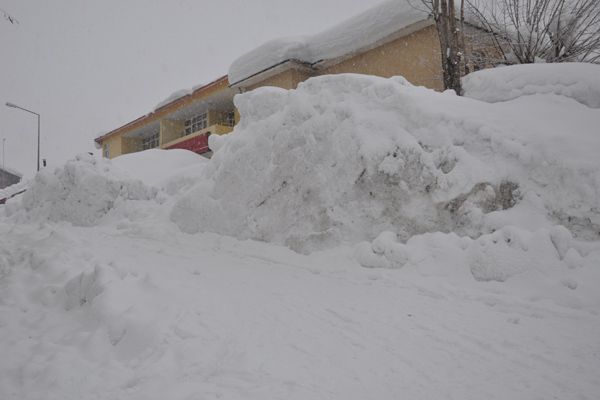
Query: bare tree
{"points": [[8, 17], [452, 44], [552, 30]]}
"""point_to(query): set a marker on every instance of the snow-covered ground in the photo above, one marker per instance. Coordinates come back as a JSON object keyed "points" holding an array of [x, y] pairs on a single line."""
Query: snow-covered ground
{"points": [[446, 247]]}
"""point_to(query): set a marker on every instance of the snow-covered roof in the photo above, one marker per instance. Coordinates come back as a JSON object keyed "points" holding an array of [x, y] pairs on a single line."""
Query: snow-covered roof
{"points": [[348, 37], [11, 171], [178, 95]]}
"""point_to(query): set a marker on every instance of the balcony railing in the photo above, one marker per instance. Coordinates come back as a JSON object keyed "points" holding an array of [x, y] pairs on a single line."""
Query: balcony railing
{"points": [[220, 128]]}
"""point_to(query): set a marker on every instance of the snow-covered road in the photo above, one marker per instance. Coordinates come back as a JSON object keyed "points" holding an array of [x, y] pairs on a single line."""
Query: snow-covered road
{"points": [[139, 314]]}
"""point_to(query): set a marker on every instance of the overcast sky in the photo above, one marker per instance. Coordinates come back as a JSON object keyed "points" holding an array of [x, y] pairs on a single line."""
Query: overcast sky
{"points": [[90, 66]]}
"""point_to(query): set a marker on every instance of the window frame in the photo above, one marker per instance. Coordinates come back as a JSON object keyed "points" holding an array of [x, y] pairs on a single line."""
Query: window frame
{"points": [[195, 124]]}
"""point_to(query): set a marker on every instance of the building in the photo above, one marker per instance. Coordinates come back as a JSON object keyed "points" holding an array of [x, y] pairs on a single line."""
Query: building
{"points": [[182, 123], [394, 38], [9, 177]]}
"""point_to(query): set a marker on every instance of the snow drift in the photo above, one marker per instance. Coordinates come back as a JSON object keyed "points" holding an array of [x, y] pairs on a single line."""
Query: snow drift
{"points": [[495, 287], [578, 81], [345, 157], [81, 192]]}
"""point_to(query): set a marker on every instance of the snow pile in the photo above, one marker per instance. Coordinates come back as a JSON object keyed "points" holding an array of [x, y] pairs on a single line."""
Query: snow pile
{"points": [[82, 192], [477, 224], [157, 167], [175, 316], [498, 256], [578, 81], [345, 157], [350, 36]]}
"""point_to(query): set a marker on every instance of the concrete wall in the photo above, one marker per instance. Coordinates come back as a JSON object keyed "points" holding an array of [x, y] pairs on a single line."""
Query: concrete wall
{"points": [[416, 56]]}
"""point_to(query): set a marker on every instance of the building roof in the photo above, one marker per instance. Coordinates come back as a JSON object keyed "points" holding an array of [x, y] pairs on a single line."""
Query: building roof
{"points": [[11, 171], [351, 36], [168, 107]]}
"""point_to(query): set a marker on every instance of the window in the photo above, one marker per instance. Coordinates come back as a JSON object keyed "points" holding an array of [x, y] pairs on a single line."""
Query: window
{"points": [[105, 151], [196, 123], [150, 142], [230, 118]]}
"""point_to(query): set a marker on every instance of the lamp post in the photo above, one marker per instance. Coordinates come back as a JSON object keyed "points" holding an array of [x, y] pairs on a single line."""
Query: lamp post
{"points": [[11, 105]]}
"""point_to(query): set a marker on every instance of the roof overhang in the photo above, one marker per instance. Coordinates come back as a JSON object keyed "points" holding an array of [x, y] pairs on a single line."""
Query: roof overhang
{"points": [[325, 63], [173, 107], [407, 30], [272, 71]]}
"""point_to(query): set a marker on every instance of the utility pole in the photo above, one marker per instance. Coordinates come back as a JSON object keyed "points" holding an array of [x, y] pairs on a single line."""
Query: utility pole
{"points": [[3, 163]]}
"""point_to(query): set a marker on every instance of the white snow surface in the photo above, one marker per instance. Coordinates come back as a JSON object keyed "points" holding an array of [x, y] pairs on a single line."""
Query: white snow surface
{"points": [[345, 157], [13, 189], [345, 38], [578, 81], [178, 94], [436, 278]]}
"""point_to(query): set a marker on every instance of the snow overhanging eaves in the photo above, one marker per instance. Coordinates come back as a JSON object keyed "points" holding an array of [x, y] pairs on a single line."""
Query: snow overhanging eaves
{"points": [[164, 109], [292, 63], [370, 29]]}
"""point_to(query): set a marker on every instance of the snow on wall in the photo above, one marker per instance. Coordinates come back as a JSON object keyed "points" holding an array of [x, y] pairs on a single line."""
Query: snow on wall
{"points": [[345, 157], [578, 81], [351, 35]]}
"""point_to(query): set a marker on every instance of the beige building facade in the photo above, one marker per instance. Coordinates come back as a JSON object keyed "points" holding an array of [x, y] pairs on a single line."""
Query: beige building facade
{"points": [[412, 51]]}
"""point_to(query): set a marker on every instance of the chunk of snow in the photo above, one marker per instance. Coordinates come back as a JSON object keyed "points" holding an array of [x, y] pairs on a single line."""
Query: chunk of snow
{"points": [[578, 81], [81, 192]]}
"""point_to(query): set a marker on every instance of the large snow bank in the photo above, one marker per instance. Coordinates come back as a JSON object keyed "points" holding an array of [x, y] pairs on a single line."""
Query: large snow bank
{"points": [[345, 157], [579, 81], [81, 192], [156, 167], [351, 35]]}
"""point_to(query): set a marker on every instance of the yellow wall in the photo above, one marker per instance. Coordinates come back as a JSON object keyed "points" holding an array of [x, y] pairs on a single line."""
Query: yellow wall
{"points": [[287, 79], [416, 56], [170, 130], [114, 146], [481, 49], [130, 145]]}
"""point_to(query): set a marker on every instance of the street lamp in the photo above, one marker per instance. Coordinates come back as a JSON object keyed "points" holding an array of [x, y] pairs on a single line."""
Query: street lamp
{"points": [[11, 105]]}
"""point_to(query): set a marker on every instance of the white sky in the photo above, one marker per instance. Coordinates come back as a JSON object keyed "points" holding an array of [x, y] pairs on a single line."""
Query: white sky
{"points": [[90, 66]]}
